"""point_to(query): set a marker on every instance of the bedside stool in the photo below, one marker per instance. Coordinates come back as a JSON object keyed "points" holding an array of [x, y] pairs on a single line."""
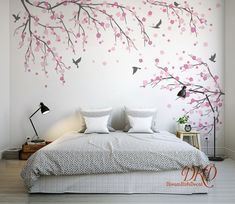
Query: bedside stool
{"points": [[194, 137], [29, 149]]}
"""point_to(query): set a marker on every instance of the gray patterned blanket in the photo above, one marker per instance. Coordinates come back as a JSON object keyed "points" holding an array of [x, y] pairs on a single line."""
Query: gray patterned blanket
{"points": [[117, 152]]}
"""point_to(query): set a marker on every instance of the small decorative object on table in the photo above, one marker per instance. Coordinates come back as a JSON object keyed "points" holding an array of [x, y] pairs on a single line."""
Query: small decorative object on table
{"points": [[182, 121], [187, 128]]}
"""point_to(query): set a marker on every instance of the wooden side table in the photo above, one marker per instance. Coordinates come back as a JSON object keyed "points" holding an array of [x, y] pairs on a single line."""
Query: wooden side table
{"points": [[194, 137], [29, 149]]}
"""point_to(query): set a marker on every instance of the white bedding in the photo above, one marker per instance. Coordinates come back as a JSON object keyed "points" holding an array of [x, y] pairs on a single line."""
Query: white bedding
{"points": [[117, 152]]}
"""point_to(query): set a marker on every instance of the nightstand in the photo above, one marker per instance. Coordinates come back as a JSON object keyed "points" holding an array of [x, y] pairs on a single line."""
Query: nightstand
{"points": [[194, 137], [29, 149]]}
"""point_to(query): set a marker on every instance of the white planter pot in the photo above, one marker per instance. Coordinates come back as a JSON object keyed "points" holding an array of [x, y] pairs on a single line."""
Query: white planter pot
{"points": [[180, 127]]}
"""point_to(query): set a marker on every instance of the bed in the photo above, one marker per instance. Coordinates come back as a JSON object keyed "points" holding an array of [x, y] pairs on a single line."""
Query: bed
{"points": [[117, 162]]}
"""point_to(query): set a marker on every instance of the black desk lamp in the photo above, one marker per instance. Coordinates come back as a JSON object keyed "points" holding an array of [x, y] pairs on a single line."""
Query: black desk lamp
{"points": [[182, 94], [44, 110]]}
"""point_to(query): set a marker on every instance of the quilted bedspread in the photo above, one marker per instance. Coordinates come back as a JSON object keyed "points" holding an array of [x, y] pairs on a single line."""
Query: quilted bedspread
{"points": [[117, 152]]}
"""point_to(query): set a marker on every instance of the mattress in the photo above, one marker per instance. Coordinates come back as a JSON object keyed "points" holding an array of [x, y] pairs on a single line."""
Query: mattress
{"points": [[170, 182]]}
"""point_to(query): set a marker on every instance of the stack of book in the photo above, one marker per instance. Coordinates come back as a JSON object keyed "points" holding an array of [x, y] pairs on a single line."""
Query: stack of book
{"points": [[12, 153], [36, 143]]}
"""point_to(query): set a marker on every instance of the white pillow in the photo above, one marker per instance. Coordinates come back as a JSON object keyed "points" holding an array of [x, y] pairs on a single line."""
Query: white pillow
{"points": [[141, 112], [140, 124], [97, 113], [96, 124]]}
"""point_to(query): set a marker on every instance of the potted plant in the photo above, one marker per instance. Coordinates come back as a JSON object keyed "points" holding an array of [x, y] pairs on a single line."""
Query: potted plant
{"points": [[182, 121]]}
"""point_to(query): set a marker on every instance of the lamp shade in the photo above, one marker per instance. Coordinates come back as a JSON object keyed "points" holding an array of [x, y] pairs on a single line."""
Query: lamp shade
{"points": [[182, 92], [44, 109]]}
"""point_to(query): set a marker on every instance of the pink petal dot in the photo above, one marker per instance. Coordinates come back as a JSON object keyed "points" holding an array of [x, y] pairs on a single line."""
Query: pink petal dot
{"points": [[145, 83], [193, 29], [150, 13], [204, 78], [140, 60], [98, 35], [194, 57], [172, 21], [162, 52], [156, 60], [186, 66], [150, 42], [190, 79], [143, 19], [205, 44]]}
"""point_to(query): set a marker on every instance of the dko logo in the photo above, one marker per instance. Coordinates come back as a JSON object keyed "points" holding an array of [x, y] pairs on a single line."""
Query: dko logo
{"points": [[194, 174]]}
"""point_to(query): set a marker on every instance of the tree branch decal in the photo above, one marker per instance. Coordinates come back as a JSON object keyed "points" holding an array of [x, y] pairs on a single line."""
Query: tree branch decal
{"points": [[168, 80], [37, 35], [44, 26], [176, 10]]}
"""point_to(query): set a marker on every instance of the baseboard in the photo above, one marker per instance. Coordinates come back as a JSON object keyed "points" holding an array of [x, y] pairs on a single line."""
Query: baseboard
{"points": [[219, 151], [230, 153]]}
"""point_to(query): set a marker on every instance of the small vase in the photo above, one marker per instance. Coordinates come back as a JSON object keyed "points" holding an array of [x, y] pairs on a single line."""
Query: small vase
{"points": [[180, 127]]}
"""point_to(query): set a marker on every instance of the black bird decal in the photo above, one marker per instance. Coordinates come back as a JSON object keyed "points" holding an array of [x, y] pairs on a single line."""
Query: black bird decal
{"points": [[16, 17], [135, 69], [158, 25], [76, 62], [176, 4], [212, 58]]}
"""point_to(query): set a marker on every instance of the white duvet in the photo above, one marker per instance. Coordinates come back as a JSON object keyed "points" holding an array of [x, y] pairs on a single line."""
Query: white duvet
{"points": [[117, 152]]}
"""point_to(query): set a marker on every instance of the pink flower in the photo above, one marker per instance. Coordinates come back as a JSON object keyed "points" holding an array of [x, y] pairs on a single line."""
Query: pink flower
{"points": [[98, 35], [193, 29], [205, 78], [186, 66], [157, 60], [190, 79], [145, 83], [150, 13], [192, 100]]}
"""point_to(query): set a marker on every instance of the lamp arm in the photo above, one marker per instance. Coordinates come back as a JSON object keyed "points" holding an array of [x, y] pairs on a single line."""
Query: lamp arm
{"points": [[32, 121], [35, 112], [33, 127]]}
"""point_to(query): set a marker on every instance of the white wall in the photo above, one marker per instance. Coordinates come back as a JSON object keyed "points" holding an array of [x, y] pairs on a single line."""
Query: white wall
{"points": [[105, 78], [4, 75], [229, 78]]}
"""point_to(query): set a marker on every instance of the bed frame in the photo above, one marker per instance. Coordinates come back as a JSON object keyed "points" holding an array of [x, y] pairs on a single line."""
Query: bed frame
{"points": [[170, 182]]}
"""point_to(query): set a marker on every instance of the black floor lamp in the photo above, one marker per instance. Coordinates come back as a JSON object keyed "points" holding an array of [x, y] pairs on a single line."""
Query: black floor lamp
{"points": [[182, 93], [44, 110]]}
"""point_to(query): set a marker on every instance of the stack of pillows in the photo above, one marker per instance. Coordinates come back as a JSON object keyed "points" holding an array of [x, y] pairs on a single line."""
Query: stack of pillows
{"points": [[139, 120]]}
